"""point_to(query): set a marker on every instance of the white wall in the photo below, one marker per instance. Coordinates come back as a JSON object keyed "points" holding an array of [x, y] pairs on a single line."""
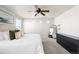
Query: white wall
{"points": [[69, 22], [38, 25]]}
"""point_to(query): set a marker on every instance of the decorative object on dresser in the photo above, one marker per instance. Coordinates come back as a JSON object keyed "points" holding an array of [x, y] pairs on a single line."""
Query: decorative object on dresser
{"points": [[69, 42]]}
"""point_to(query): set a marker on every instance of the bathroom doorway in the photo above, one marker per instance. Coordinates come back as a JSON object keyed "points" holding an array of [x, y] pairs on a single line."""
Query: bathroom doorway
{"points": [[52, 31]]}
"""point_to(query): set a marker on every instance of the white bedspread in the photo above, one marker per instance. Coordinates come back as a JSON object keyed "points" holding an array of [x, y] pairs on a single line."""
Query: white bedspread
{"points": [[29, 44]]}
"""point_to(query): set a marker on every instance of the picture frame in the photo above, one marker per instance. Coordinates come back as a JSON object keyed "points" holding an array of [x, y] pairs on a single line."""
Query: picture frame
{"points": [[6, 17]]}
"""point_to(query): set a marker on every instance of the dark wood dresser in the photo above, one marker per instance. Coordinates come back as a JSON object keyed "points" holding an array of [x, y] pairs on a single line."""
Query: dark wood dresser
{"points": [[70, 43]]}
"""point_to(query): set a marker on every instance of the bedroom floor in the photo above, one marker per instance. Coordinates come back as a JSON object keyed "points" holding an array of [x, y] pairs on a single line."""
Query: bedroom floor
{"points": [[52, 47]]}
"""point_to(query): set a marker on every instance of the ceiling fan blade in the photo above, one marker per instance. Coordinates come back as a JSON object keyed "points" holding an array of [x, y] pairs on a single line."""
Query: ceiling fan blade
{"points": [[43, 14], [45, 10], [36, 14]]}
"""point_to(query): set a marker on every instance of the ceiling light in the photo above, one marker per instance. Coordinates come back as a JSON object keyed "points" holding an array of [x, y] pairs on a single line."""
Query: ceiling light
{"points": [[48, 21], [40, 21]]}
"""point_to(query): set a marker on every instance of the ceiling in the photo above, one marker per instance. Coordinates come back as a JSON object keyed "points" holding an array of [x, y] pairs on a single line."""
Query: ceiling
{"points": [[24, 10]]}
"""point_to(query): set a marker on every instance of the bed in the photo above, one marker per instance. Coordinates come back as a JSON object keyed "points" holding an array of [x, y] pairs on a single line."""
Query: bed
{"points": [[28, 44]]}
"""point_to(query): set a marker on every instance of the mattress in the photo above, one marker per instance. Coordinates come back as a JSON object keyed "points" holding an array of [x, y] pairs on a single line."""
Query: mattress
{"points": [[28, 44]]}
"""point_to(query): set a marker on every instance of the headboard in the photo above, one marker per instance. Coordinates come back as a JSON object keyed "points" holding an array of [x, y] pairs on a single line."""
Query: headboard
{"points": [[5, 27]]}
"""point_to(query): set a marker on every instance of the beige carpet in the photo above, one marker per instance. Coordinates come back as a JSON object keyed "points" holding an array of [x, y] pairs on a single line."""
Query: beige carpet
{"points": [[52, 47]]}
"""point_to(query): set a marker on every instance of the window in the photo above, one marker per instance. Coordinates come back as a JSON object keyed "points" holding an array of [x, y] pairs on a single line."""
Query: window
{"points": [[18, 24]]}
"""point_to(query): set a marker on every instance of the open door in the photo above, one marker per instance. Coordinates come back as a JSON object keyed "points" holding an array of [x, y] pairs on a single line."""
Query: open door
{"points": [[52, 31]]}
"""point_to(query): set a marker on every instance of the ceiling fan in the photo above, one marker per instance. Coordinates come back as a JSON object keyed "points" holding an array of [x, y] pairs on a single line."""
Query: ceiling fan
{"points": [[39, 10]]}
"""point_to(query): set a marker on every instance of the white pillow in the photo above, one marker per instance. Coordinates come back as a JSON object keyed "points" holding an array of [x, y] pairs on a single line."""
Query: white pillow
{"points": [[18, 35], [22, 32], [1, 37], [5, 35]]}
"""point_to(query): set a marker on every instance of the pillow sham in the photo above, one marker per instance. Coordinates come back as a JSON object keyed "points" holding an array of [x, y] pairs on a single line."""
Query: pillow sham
{"points": [[4, 35], [12, 34], [18, 35], [1, 38]]}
